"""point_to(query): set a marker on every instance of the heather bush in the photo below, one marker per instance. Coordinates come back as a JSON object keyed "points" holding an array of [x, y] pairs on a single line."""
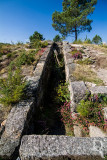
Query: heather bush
{"points": [[66, 115], [91, 112], [76, 54]]}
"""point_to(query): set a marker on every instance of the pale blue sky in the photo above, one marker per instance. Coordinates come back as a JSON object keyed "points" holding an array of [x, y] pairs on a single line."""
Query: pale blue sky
{"points": [[20, 18]]}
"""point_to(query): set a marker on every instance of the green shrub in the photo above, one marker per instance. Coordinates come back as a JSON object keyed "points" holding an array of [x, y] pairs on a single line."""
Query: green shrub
{"points": [[87, 41], [38, 44], [102, 98], [86, 61], [44, 44], [82, 51], [9, 55], [84, 108], [91, 112], [104, 45], [79, 41], [74, 51], [92, 107], [25, 58], [63, 94], [19, 43], [12, 88], [4, 49]]}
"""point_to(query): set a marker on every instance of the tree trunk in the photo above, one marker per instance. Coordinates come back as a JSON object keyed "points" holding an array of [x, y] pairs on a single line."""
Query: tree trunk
{"points": [[75, 33]]}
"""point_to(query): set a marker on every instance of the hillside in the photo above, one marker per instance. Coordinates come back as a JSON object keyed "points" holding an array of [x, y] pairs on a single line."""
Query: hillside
{"points": [[56, 89]]}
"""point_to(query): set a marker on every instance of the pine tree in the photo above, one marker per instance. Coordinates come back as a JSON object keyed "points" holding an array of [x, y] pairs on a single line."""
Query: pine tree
{"points": [[97, 39], [74, 17], [57, 38]]}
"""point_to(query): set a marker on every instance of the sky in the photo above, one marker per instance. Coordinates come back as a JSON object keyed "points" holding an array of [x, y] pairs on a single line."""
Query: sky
{"points": [[20, 18]]}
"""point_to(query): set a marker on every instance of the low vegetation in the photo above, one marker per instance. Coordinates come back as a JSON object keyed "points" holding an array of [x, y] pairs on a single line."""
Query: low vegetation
{"points": [[85, 73], [25, 58], [63, 97], [16, 61], [102, 48], [91, 112], [62, 93], [12, 88], [37, 40], [13, 58], [96, 40], [38, 44], [76, 54], [86, 61]]}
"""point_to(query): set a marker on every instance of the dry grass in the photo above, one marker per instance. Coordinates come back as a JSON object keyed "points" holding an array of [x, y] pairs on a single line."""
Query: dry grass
{"points": [[101, 62], [97, 47], [84, 73]]}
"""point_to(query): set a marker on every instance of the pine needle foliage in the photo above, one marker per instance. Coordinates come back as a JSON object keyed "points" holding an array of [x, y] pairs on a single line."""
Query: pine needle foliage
{"points": [[74, 17], [12, 88]]}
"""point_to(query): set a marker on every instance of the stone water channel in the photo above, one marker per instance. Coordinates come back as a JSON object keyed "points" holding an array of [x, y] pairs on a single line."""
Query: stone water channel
{"points": [[46, 118], [34, 130]]}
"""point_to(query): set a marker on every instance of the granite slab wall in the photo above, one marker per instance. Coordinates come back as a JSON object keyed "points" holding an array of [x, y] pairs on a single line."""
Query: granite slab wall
{"points": [[78, 90]]}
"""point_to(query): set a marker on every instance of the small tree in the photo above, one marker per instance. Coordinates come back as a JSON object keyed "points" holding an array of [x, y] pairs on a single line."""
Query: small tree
{"points": [[57, 38], [97, 39], [13, 87], [74, 17], [36, 36]]}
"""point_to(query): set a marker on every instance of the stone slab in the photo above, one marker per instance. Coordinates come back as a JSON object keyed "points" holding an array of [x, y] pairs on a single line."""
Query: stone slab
{"points": [[78, 92], [95, 131], [10, 138], [37, 147], [99, 89]]}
